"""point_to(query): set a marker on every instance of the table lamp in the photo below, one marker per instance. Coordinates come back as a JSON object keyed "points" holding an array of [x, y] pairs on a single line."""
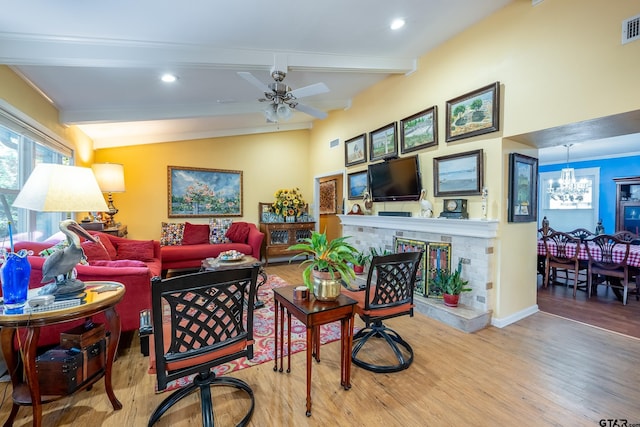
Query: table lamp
{"points": [[110, 177], [59, 188]]}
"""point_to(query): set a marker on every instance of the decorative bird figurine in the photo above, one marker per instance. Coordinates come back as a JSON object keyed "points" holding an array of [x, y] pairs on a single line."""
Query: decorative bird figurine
{"points": [[60, 265], [368, 204], [426, 208]]}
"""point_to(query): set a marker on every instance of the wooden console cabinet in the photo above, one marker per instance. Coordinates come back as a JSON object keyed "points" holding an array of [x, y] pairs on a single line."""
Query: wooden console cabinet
{"points": [[628, 204], [278, 236]]}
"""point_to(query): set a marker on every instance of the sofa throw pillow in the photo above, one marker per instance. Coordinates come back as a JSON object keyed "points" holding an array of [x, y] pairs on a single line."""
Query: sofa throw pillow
{"points": [[171, 233], [106, 242], [118, 263], [95, 251], [218, 229], [238, 232], [195, 234], [141, 250]]}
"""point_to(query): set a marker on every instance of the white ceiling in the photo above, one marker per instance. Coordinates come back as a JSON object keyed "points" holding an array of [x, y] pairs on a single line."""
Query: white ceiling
{"points": [[100, 61]]}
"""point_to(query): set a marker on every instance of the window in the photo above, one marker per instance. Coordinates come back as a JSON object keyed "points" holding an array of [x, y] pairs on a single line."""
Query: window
{"points": [[22, 146], [569, 216]]}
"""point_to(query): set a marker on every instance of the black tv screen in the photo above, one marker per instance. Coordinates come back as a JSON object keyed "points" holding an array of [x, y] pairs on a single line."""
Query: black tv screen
{"points": [[395, 180]]}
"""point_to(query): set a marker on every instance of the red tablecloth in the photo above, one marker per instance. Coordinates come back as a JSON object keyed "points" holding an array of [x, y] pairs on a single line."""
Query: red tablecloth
{"points": [[618, 252]]}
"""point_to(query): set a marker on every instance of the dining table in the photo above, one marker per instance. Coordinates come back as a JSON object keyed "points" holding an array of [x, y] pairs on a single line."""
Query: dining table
{"points": [[618, 251]]}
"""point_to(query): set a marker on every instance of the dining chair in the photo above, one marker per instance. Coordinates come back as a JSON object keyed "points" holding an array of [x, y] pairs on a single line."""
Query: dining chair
{"points": [[200, 321], [542, 259], [388, 293], [608, 257], [582, 233], [628, 236], [562, 251]]}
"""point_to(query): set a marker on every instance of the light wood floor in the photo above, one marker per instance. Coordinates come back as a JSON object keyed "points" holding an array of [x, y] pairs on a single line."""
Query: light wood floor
{"points": [[543, 370]]}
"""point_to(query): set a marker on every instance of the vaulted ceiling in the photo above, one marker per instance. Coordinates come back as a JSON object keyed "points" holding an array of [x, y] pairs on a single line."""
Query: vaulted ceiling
{"points": [[100, 62]]}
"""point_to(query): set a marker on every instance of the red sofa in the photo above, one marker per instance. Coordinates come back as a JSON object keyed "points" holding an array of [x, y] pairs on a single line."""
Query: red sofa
{"points": [[190, 256], [135, 274]]}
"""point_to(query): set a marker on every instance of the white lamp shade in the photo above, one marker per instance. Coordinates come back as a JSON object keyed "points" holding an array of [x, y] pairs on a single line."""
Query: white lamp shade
{"points": [[110, 177], [59, 188]]}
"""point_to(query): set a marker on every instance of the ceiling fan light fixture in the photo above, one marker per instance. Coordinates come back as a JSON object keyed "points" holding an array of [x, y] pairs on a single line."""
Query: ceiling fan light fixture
{"points": [[284, 112], [270, 113]]}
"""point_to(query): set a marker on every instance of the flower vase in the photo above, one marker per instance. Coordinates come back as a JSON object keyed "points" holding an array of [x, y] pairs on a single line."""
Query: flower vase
{"points": [[15, 273], [291, 218]]}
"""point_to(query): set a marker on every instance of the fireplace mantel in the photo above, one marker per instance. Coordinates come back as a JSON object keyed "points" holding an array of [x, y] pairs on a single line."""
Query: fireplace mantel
{"points": [[487, 229]]}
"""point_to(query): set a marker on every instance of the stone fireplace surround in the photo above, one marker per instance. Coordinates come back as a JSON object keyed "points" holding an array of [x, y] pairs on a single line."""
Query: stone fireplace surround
{"points": [[472, 240]]}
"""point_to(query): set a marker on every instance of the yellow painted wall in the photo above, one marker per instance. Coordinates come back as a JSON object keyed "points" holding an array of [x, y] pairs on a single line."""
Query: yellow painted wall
{"points": [[23, 97], [267, 161], [558, 62]]}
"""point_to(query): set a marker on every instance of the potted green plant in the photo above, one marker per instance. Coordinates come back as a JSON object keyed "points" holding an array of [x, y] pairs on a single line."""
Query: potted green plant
{"points": [[362, 258], [327, 264], [451, 284]]}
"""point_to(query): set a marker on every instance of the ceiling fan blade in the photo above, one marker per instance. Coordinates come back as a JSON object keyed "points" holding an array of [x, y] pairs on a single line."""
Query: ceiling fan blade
{"points": [[311, 111], [314, 89], [254, 81]]}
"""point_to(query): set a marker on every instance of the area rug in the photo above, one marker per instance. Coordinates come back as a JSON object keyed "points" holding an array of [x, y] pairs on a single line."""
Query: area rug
{"points": [[263, 332]]}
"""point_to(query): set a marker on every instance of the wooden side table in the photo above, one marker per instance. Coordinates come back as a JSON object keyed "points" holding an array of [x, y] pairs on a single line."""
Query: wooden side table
{"points": [[119, 230], [21, 362], [313, 313]]}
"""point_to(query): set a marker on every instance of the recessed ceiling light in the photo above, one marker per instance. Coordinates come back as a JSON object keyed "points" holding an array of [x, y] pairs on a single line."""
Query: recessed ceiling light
{"points": [[396, 24], [168, 78]]}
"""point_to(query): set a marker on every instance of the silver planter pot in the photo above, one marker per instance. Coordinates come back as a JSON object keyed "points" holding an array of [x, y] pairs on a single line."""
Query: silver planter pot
{"points": [[326, 286]]}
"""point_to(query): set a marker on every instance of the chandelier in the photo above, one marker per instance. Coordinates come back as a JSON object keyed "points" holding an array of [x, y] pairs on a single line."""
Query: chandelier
{"points": [[567, 189]]}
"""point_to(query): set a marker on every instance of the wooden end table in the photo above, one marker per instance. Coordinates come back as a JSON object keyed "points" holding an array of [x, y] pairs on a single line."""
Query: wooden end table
{"points": [[313, 313], [215, 264], [21, 362]]}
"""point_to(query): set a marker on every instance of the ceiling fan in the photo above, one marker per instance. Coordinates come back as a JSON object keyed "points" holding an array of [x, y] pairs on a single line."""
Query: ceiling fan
{"points": [[282, 99]]}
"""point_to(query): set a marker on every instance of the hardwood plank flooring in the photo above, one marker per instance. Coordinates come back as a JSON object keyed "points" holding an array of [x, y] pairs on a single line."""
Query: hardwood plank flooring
{"points": [[542, 371], [603, 310]]}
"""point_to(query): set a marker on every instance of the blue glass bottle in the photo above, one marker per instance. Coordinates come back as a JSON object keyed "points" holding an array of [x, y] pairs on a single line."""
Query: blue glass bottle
{"points": [[15, 273]]}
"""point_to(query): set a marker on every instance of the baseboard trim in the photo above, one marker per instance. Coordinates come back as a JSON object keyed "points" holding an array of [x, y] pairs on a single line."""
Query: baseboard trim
{"points": [[506, 321]]}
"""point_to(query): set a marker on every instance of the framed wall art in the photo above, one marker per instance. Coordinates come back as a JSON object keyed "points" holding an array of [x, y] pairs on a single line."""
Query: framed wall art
{"points": [[402, 245], [523, 188], [383, 142], [438, 257], [357, 184], [203, 193], [355, 150], [328, 197], [474, 113], [419, 130], [458, 174]]}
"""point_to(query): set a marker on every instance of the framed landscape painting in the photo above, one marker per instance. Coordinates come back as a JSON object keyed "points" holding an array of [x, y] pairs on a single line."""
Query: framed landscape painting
{"points": [[203, 193], [419, 130], [355, 150], [383, 142], [523, 188], [458, 174], [474, 113], [357, 183]]}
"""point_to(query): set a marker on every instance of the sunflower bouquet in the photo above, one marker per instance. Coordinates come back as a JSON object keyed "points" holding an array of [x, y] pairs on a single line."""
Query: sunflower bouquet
{"points": [[289, 202]]}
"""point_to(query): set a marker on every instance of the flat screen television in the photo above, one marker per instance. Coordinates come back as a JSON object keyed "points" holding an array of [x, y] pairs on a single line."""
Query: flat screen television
{"points": [[395, 180]]}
